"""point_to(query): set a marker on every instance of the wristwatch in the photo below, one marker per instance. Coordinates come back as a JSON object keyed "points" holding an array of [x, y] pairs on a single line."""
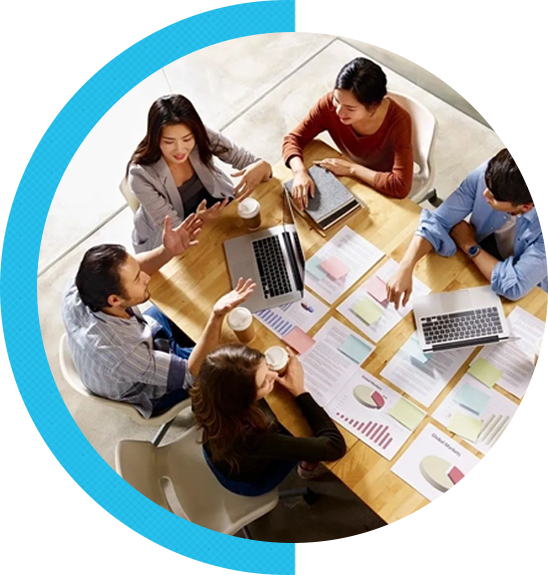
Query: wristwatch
{"points": [[473, 251]]}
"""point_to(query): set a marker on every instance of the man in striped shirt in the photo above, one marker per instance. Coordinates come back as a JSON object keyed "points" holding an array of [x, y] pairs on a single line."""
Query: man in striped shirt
{"points": [[122, 354]]}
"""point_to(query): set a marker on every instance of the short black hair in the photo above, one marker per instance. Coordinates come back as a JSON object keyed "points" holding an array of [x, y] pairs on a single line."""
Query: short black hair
{"points": [[98, 276], [505, 181], [365, 79]]}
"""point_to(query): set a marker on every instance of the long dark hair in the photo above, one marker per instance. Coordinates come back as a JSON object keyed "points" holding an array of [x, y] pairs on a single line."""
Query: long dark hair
{"points": [[224, 400], [365, 79], [167, 111]]}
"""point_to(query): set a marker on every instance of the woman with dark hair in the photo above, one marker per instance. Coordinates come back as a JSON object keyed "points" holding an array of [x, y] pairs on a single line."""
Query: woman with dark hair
{"points": [[172, 172], [248, 450], [368, 127]]}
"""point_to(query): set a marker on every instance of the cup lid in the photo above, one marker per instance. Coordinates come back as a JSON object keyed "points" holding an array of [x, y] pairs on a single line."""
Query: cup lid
{"points": [[248, 208], [276, 357], [240, 318]]}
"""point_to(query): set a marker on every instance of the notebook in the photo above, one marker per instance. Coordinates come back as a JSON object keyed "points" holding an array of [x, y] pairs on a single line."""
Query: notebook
{"points": [[332, 200]]}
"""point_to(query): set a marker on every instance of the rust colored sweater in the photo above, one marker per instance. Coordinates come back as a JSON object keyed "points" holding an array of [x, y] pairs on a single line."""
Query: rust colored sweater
{"points": [[389, 151]]}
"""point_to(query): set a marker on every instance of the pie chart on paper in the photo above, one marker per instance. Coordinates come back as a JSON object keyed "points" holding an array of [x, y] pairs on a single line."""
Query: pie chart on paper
{"points": [[368, 397], [441, 474]]}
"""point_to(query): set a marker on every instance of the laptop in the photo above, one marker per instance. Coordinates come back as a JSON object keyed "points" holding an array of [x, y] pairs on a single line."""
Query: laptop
{"points": [[273, 258], [458, 319]]}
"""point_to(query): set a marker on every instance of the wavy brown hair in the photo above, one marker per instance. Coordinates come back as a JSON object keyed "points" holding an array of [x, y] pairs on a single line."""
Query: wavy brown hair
{"points": [[168, 111], [224, 400]]}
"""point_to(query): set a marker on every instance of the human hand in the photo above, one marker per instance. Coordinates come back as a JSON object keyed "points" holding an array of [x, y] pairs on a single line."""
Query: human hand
{"points": [[234, 298], [293, 380], [464, 235], [177, 241], [207, 215], [303, 185], [400, 284], [338, 166], [252, 176]]}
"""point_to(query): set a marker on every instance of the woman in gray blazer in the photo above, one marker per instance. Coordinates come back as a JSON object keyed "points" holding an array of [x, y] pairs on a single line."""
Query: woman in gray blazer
{"points": [[172, 171]]}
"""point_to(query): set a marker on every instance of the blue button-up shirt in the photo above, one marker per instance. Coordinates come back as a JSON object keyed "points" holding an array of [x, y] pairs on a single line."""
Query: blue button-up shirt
{"points": [[512, 278]]}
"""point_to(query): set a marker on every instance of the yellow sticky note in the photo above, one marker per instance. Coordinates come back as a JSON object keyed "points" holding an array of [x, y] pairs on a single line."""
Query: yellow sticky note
{"points": [[465, 425], [367, 310], [483, 371], [407, 413]]}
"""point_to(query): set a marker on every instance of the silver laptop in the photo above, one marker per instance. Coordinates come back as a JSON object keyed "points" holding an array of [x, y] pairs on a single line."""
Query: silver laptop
{"points": [[273, 258], [464, 318]]}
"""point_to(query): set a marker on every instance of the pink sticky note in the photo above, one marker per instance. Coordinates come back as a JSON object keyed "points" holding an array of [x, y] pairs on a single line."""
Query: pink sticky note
{"points": [[335, 268], [377, 288], [455, 475], [299, 340]]}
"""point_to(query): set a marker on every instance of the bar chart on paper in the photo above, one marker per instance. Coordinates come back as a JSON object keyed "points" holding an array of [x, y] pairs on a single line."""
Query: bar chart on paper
{"points": [[378, 433]]}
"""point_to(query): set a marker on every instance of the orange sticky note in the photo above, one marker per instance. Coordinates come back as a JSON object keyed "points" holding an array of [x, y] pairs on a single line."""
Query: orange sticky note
{"points": [[335, 268], [299, 340]]}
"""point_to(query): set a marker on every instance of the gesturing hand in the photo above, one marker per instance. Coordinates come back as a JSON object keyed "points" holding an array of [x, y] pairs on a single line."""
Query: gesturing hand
{"points": [[252, 176], [207, 215], [338, 166], [234, 298], [303, 185], [400, 285], [177, 241]]}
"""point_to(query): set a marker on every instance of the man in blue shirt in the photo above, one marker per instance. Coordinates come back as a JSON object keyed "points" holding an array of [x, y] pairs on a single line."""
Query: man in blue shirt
{"points": [[503, 238]]}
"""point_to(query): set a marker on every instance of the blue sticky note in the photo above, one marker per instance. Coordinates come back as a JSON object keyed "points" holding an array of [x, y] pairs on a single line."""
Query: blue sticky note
{"points": [[313, 267], [472, 398], [355, 349], [412, 347]]}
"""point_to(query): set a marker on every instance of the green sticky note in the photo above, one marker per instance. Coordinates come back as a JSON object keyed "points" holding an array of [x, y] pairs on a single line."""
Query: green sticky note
{"points": [[366, 310], [355, 349], [313, 267], [465, 425], [483, 371], [407, 413]]}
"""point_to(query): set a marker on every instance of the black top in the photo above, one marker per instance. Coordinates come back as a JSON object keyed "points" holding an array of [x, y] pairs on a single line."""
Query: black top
{"points": [[193, 193], [256, 453]]}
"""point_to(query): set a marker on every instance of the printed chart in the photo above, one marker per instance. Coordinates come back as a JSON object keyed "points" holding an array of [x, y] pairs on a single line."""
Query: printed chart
{"points": [[375, 414], [368, 308], [434, 463], [339, 264]]}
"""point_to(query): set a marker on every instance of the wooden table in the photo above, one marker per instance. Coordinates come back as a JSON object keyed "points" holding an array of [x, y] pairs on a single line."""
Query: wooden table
{"points": [[186, 288]]}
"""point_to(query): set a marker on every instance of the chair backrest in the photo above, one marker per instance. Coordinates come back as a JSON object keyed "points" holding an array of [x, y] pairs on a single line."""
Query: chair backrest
{"points": [[177, 477], [424, 130], [129, 196]]}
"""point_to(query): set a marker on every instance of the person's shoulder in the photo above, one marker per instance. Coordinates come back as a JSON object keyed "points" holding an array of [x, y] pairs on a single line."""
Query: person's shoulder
{"points": [[325, 103], [399, 115]]}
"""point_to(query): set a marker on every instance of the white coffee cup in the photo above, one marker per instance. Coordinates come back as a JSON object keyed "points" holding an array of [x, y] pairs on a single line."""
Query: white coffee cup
{"points": [[250, 212], [277, 359], [240, 321]]}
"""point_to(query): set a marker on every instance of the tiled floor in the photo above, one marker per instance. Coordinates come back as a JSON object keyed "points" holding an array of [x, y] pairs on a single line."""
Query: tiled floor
{"points": [[255, 89]]}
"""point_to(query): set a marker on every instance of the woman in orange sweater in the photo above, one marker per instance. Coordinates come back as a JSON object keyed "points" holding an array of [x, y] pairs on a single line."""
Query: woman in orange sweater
{"points": [[369, 128]]}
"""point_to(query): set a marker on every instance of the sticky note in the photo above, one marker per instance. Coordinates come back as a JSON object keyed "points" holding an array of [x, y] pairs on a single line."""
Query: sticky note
{"points": [[299, 340], [412, 348], [335, 268], [464, 425], [483, 371], [355, 349], [367, 310], [377, 289], [313, 267], [455, 475], [472, 398], [407, 413]]}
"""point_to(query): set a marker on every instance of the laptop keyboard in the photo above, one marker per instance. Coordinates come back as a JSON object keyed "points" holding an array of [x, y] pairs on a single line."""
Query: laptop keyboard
{"points": [[272, 267], [462, 325]]}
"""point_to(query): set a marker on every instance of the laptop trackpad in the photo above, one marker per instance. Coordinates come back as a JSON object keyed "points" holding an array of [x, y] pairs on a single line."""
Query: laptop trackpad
{"points": [[455, 301]]}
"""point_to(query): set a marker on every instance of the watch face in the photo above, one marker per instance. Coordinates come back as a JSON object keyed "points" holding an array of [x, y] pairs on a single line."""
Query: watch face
{"points": [[473, 251]]}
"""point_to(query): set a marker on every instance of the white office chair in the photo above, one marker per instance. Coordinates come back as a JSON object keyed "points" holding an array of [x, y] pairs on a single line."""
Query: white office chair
{"points": [[177, 477], [129, 196], [424, 132], [68, 369]]}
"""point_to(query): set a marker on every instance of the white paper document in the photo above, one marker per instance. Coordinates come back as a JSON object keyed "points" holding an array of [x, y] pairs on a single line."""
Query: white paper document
{"points": [[515, 358], [434, 463], [473, 399], [424, 379], [363, 407], [303, 314], [347, 256], [390, 316], [326, 368]]}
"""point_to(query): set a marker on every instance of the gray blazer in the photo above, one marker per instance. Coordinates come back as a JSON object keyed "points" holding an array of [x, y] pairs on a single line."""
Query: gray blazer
{"points": [[159, 197]]}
